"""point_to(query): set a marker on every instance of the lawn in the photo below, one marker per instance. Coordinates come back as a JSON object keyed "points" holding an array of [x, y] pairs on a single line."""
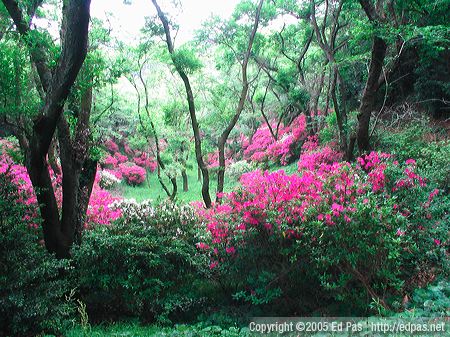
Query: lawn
{"points": [[151, 189]]}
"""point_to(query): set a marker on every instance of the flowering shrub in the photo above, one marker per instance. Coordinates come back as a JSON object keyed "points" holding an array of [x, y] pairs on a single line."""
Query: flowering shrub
{"points": [[314, 157], [112, 146], [133, 211], [120, 158], [381, 208], [110, 162], [212, 159], [108, 180], [144, 160], [263, 147], [150, 262], [98, 210], [238, 168], [134, 175]]}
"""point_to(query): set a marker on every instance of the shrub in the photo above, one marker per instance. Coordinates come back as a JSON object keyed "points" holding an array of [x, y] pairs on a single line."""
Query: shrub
{"points": [[263, 147], [108, 180], [421, 142], [134, 212], [32, 285], [111, 146], [146, 270], [134, 175], [235, 170], [120, 158], [363, 231], [144, 160]]}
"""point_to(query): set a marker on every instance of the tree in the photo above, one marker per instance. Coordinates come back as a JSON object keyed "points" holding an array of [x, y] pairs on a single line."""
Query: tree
{"points": [[59, 231], [177, 60], [242, 99], [329, 46], [375, 15]]}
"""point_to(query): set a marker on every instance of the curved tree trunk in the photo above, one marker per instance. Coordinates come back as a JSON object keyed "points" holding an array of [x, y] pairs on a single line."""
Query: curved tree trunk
{"points": [[224, 136], [368, 101], [192, 112], [57, 85]]}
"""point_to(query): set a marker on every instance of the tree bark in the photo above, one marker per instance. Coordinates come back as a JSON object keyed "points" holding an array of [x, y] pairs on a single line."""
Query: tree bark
{"points": [[185, 180], [57, 86], [368, 101]]}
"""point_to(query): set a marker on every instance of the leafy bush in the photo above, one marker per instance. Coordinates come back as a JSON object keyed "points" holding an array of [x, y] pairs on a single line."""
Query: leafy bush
{"points": [[363, 231], [423, 143], [134, 175], [32, 283], [108, 180], [264, 148], [237, 169], [144, 267], [432, 301], [133, 211]]}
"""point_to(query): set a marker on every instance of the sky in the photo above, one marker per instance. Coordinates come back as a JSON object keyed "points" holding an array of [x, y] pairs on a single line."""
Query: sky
{"points": [[127, 20]]}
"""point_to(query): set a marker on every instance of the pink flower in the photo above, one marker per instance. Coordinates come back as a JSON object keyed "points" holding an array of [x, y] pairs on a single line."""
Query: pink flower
{"points": [[202, 246], [437, 242], [230, 250], [400, 232]]}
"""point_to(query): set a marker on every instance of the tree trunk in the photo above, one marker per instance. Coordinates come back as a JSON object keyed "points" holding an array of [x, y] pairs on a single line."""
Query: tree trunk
{"points": [[185, 180], [368, 101], [199, 174], [57, 85], [223, 138], [191, 104]]}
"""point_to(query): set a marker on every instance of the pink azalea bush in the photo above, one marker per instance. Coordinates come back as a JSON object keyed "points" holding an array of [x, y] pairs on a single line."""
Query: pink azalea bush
{"points": [[111, 146], [99, 210], [120, 158], [134, 175], [263, 147], [319, 217], [144, 160]]}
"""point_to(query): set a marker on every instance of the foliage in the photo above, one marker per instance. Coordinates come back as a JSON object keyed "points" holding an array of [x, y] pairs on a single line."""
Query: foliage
{"points": [[144, 266], [238, 168], [108, 180], [315, 220], [426, 144], [33, 286], [133, 175], [133, 329], [263, 147], [432, 301]]}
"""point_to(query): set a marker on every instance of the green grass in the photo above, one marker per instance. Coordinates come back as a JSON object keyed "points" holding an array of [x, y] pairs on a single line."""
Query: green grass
{"points": [[151, 189], [130, 329]]}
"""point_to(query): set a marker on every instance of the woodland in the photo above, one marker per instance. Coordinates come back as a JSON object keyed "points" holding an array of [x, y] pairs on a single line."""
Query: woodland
{"points": [[291, 159]]}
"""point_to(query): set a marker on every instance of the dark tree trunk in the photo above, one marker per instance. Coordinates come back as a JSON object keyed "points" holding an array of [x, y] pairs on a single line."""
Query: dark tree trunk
{"points": [[185, 180], [58, 235], [368, 101], [223, 138], [192, 111]]}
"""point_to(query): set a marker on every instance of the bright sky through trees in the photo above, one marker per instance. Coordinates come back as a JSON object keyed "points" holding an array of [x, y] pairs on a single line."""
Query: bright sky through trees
{"points": [[127, 19]]}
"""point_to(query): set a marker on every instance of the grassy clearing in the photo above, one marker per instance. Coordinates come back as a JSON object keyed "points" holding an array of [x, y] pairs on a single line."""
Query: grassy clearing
{"points": [[152, 189]]}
